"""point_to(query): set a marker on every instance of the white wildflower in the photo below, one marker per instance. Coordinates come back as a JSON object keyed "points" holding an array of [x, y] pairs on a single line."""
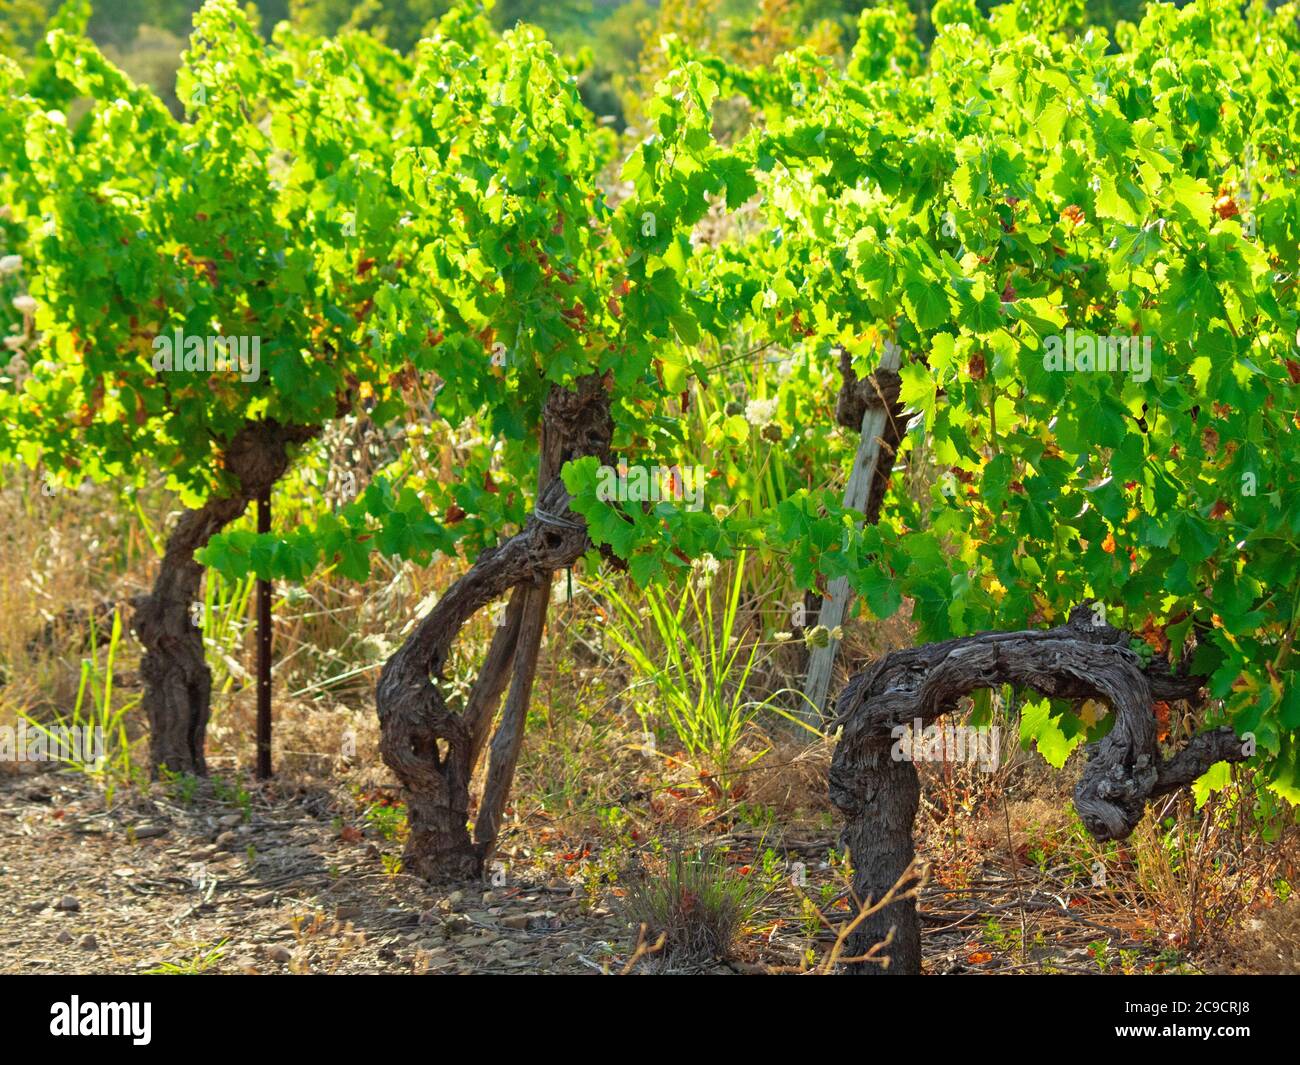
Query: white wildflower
{"points": [[704, 568], [760, 412]]}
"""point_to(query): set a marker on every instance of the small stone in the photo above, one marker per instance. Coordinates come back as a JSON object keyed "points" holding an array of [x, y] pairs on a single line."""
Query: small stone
{"points": [[227, 839], [264, 899], [149, 831], [68, 904], [64, 937], [245, 965], [515, 920], [231, 820], [475, 941], [279, 954], [88, 942]]}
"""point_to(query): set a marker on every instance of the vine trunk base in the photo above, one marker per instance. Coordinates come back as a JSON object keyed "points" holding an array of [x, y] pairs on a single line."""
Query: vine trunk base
{"points": [[433, 749], [878, 794]]}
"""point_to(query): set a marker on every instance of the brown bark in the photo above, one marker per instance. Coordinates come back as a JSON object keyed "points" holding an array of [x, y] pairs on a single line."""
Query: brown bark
{"points": [[879, 389], [176, 678], [509, 737], [493, 676], [878, 796], [433, 750]]}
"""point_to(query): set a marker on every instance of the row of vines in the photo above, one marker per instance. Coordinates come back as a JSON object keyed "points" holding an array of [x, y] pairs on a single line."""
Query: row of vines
{"points": [[1084, 252]]}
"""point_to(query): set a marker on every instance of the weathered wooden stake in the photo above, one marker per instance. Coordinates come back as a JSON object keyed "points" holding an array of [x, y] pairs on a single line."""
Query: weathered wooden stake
{"points": [[821, 662]]}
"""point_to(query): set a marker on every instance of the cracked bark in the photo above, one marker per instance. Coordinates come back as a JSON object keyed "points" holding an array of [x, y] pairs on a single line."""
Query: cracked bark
{"points": [[432, 749], [857, 396], [878, 795], [177, 681]]}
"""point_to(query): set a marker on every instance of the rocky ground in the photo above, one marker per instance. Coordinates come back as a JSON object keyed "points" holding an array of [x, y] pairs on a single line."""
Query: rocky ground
{"points": [[156, 885], [211, 878]]}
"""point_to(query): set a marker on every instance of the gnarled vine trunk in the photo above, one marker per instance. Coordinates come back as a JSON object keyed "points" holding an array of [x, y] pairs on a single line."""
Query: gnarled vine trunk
{"points": [[177, 681], [1081, 659], [432, 749]]}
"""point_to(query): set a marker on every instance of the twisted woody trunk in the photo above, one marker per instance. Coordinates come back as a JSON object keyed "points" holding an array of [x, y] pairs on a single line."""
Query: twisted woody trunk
{"points": [[177, 681], [878, 795], [432, 749]]}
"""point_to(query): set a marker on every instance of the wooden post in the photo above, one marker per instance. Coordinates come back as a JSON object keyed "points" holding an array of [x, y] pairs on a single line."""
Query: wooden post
{"points": [[821, 662], [264, 652]]}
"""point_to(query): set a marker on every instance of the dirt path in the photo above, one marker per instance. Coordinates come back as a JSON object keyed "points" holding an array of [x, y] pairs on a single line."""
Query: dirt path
{"points": [[274, 887], [294, 881]]}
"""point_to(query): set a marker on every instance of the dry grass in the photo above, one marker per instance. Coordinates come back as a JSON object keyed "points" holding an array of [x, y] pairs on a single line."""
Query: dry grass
{"points": [[691, 904]]}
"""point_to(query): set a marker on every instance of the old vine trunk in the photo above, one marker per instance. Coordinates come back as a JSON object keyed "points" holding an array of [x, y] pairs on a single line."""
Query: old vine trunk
{"points": [[431, 748], [176, 678], [878, 795]]}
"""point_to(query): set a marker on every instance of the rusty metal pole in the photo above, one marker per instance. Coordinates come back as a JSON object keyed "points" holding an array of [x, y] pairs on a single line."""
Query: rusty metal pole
{"points": [[264, 652]]}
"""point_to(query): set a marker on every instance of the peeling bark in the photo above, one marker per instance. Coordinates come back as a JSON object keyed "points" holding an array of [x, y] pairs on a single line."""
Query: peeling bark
{"points": [[493, 676], [433, 750], [878, 796], [509, 738], [177, 681], [857, 396]]}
